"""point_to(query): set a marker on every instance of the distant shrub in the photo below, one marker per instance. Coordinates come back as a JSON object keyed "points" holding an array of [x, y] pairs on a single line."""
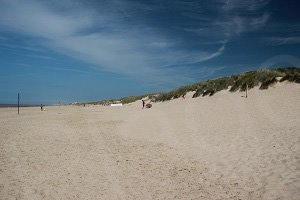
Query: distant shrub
{"points": [[124, 100], [251, 79], [200, 89], [174, 94], [291, 78], [164, 96], [212, 86], [254, 78], [237, 82], [265, 84], [288, 70], [291, 75]]}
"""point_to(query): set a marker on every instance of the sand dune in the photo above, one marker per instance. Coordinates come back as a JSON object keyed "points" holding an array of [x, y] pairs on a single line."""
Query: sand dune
{"points": [[219, 147]]}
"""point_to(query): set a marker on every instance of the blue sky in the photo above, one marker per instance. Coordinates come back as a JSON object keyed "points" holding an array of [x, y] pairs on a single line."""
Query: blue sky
{"points": [[69, 50]]}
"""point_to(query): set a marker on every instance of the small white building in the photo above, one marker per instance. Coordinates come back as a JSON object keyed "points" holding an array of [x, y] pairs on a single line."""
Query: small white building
{"points": [[116, 103]]}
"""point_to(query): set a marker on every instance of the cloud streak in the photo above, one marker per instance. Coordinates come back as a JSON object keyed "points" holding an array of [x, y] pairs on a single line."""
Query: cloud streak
{"points": [[276, 41], [250, 5], [106, 38], [234, 18]]}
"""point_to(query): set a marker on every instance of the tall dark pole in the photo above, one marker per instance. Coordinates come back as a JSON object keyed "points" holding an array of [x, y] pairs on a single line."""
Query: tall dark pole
{"points": [[18, 103], [246, 90]]}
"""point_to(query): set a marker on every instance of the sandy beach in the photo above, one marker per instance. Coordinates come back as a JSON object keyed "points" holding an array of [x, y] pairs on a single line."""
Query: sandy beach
{"points": [[219, 147]]}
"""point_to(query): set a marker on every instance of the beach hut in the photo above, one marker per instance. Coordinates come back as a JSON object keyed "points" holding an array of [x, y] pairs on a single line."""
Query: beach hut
{"points": [[116, 104]]}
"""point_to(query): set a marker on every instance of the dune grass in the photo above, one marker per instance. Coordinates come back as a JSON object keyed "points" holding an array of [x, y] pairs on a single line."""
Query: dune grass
{"points": [[238, 82], [123, 100], [264, 78]]}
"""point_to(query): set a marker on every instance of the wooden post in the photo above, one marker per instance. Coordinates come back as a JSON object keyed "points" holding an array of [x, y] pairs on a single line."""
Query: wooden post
{"points": [[246, 90], [18, 103]]}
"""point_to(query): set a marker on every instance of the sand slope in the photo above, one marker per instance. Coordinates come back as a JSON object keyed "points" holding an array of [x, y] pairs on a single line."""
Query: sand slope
{"points": [[220, 147]]}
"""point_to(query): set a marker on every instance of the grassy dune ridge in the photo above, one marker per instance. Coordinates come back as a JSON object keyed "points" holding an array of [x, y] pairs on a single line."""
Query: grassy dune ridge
{"points": [[124, 100], [263, 78], [237, 82]]}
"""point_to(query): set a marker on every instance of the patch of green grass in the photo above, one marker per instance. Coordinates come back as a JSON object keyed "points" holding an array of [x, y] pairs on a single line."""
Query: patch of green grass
{"points": [[237, 82], [210, 87], [291, 78], [291, 74], [268, 82], [123, 100], [174, 94], [254, 78]]}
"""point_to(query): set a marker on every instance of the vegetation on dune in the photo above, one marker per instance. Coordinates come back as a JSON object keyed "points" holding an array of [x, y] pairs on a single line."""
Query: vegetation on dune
{"points": [[210, 87], [291, 74], [131, 99], [255, 78], [238, 82], [123, 100], [175, 93]]}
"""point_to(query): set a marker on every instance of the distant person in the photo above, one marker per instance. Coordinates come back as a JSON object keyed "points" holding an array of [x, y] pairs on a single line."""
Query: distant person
{"points": [[183, 96], [143, 103], [42, 107], [148, 105]]}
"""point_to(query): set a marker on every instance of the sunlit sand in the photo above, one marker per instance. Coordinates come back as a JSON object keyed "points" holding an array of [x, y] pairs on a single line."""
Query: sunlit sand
{"points": [[219, 147]]}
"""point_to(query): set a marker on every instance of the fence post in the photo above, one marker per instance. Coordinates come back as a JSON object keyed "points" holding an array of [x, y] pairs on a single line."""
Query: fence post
{"points": [[18, 103]]}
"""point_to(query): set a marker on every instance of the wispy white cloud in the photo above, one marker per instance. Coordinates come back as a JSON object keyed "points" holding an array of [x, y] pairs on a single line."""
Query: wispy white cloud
{"points": [[240, 24], [275, 41], [213, 55], [28, 47], [249, 5], [105, 37], [233, 18], [35, 18], [102, 39], [29, 52]]}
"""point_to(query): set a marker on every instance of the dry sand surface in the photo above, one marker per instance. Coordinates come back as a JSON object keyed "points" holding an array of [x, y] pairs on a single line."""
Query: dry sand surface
{"points": [[219, 147]]}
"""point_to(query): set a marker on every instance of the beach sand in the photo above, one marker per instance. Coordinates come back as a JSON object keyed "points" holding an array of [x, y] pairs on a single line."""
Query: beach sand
{"points": [[219, 147]]}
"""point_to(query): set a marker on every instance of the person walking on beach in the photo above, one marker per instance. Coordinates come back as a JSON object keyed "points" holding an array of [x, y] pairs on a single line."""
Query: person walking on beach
{"points": [[143, 103], [42, 107]]}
